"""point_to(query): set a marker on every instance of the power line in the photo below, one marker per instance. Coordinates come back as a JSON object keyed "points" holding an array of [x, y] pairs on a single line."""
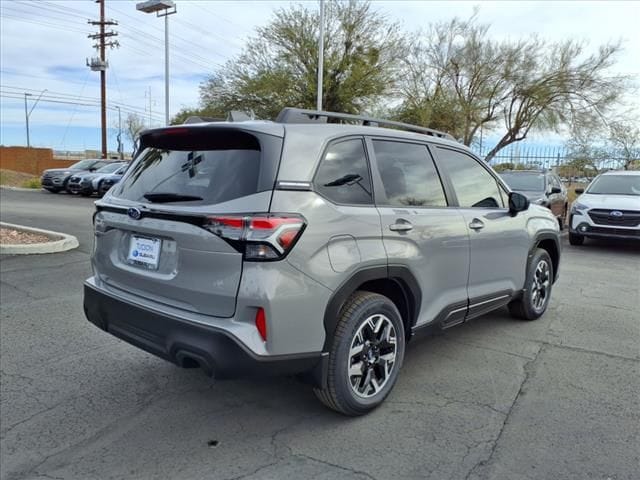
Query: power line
{"points": [[71, 25], [73, 113], [82, 103], [65, 96], [174, 35]]}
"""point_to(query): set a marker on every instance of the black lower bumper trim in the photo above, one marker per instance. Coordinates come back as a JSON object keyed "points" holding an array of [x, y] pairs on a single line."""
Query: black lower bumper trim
{"points": [[185, 343]]}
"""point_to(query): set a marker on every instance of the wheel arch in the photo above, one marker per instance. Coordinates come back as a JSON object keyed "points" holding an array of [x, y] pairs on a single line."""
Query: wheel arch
{"points": [[395, 282], [550, 243]]}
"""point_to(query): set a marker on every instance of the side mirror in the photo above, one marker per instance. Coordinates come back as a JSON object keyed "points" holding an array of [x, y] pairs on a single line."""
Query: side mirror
{"points": [[579, 191], [517, 203], [555, 190]]}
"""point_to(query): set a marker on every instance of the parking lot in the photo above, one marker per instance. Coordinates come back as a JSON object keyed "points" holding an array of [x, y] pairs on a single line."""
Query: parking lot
{"points": [[558, 398]]}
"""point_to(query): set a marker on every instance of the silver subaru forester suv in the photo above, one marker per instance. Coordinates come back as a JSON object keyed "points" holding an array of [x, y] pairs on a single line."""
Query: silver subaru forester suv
{"points": [[316, 245]]}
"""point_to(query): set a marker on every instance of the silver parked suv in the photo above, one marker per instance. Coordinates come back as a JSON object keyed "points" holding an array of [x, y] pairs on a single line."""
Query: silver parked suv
{"points": [[308, 246]]}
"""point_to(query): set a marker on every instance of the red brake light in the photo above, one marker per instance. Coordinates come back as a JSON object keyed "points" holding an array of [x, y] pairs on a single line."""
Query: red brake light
{"points": [[270, 223], [233, 222], [261, 236], [261, 323]]}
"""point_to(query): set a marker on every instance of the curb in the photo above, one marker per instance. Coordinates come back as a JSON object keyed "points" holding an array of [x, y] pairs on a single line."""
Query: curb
{"points": [[61, 242], [20, 189]]}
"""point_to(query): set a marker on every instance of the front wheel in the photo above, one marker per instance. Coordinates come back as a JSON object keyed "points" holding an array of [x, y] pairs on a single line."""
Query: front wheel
{"points": [[366, 355], [537, 288]]}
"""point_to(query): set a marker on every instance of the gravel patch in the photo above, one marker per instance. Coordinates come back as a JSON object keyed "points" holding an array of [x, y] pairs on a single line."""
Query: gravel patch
{"points": [[10, 236]]}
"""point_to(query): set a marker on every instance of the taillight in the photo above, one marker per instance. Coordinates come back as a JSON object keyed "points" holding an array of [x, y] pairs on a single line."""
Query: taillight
{"points": [[261, 324], [259, 237]]}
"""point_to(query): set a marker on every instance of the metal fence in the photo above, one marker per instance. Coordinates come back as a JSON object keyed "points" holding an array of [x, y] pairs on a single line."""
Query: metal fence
{"points": [[534, 156]]}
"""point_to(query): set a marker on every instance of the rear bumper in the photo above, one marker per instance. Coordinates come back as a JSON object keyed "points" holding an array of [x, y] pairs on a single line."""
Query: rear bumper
{"points": [[185, 343]]}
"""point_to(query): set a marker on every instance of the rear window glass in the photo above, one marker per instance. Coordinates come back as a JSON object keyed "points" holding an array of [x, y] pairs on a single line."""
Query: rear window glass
{"points": [[211, 167]]}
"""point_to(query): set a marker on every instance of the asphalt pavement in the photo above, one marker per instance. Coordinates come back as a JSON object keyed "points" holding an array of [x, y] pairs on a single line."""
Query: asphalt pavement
{"points": [[557, 398]]}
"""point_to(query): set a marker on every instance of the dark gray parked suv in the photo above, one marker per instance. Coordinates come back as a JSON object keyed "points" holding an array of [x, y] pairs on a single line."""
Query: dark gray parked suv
{"points": [[542, 187], [56, 179], [306, 247]]}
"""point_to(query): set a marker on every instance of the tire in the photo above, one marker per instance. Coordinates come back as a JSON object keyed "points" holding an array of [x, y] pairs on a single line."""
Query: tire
{"points": [[362, 315], [52, 190], [537, 288], [575, 239], [85, 194], [102, 190]]}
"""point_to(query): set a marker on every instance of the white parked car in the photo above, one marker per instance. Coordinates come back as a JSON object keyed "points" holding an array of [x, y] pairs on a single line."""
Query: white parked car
{"points": [[608, 208]]}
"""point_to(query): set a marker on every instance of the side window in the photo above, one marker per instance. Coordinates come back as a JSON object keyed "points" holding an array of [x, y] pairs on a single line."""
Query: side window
{"points": [[408, 174], [343, 176], [473, 184]]}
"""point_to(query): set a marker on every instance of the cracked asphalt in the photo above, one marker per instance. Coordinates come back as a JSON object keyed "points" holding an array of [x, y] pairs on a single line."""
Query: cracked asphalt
{"points": [[558, 398]]}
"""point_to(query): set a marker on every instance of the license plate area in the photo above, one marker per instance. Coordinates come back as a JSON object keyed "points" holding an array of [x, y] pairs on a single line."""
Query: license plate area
{"points": [[144, 252]]}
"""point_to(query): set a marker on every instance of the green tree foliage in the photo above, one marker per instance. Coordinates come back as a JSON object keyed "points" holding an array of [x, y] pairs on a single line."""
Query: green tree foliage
{"points": [[618, 140], [278, 66], [461, 80], [452, 76]]}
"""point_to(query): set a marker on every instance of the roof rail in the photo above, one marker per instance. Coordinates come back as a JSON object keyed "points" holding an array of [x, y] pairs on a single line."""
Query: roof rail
{"points": [[301, 115]]}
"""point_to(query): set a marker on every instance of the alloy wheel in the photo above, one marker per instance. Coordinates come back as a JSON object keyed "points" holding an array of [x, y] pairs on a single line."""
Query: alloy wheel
{"points": [[372, 356], [541, 285]]}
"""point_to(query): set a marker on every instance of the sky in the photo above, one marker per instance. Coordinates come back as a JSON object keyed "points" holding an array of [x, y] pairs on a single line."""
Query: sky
{"points": [[44, 45]]}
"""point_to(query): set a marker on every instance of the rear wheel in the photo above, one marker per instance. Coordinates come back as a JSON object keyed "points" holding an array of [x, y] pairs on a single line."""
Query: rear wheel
{"points": [[537, 288], [366, 355], [575, 239]]}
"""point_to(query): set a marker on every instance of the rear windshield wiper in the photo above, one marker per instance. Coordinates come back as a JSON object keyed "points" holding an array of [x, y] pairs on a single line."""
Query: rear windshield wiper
{"points": [[170, 197], [348, 179]]}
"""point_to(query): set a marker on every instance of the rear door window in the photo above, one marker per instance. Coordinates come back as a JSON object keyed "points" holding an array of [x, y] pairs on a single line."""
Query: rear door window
{"points": [[343, 176], [210, 167]]}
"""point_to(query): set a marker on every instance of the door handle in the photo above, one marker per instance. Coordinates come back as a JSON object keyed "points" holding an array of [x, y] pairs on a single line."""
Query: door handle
{"points": [[476, 224], [401, 227]]}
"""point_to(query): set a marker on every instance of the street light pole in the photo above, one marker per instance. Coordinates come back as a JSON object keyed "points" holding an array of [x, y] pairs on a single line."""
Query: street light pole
{"points": [[320, 57], [26, 117], [162, 8], [27, 113], [120, 149], [166, 68]]}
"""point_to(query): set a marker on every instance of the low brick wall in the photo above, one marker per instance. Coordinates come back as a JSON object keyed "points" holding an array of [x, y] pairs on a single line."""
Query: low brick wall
{"points": [[30, 160]]}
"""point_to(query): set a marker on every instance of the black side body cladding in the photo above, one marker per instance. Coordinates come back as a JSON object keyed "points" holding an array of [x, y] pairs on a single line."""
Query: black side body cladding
{"points": [[401, 275], [550, 242]]}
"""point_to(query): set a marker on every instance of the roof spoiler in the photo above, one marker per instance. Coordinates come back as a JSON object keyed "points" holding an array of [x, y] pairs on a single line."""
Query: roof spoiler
{"points": [[232, 116]]}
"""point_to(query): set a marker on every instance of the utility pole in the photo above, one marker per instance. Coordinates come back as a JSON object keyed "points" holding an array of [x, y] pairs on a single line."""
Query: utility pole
{"points": [[100, 64], [320, 57]]}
